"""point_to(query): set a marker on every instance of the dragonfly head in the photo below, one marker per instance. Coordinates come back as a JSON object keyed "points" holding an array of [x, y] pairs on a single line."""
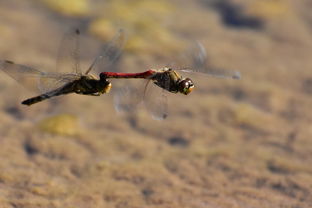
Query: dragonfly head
{"points": [[186, 86], [105, 86], [108, 87]]}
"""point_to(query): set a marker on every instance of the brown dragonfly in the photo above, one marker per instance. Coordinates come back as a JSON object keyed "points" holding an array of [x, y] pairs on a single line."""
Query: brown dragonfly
{"points": [[53, 84], [168, 79]]}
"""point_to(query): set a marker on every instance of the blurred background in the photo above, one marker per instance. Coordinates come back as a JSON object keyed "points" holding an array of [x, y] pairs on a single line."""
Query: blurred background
{"points": [[230, 143]]}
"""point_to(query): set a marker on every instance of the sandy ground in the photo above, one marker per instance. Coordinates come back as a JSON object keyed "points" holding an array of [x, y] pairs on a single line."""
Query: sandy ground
{"points": [[230, 143]]}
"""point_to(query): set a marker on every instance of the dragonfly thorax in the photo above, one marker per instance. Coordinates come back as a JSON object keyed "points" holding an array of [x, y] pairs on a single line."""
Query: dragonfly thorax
{"points": [[88, 84]]}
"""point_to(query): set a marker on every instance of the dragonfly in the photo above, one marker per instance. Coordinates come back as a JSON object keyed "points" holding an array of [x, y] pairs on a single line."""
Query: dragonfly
{"points": [[53, 84], [168, 79]]}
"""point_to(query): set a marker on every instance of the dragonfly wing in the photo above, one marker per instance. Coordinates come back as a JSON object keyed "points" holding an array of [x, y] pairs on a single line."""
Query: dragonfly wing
{"points": [[68, 53], [127, 99], [34, 79], [109, 53], [24, 75], [51, 81], [197, 61], [216, 72], [155, 99]]}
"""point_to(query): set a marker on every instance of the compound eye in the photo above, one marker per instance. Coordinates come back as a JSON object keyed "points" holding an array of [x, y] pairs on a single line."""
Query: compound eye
{"points": [[186, 86]]}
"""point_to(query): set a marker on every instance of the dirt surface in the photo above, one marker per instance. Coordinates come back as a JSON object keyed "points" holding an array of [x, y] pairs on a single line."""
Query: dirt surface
{"points": [[228, 144]]}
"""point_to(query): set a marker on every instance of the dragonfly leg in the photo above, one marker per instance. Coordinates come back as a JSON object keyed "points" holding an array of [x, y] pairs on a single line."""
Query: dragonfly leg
{"points": [[87, 93], [94, 94]]}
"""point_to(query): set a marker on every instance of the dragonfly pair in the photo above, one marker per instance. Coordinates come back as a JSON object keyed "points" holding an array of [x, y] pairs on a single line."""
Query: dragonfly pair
{"points": [[74, 81]]}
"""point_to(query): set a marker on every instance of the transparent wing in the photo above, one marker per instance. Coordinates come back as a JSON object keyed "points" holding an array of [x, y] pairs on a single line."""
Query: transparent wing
{"points": [[51, 81], [155, 100], [195, 60], [109, 54], [68, 54], [34, 79], [127, 99]]}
